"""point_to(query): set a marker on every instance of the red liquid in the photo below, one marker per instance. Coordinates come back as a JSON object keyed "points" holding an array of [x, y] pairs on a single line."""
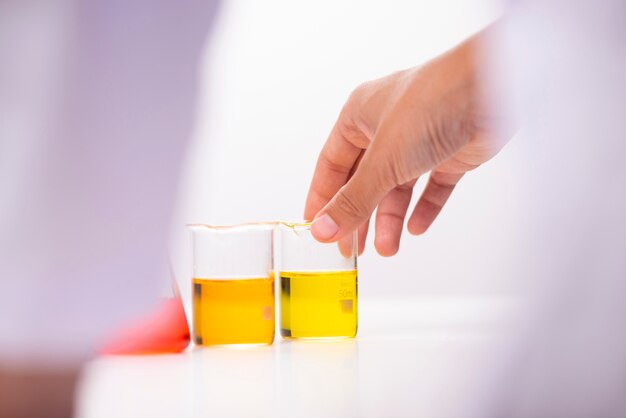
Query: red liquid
{"points": [[161, 331]]}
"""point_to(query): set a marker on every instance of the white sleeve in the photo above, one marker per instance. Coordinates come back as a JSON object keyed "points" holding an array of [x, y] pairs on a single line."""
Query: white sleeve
{"points": [[567, 63], [96, 107]]}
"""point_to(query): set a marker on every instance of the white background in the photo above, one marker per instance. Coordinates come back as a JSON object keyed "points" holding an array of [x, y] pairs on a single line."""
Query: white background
{"points": [[274, 78]]}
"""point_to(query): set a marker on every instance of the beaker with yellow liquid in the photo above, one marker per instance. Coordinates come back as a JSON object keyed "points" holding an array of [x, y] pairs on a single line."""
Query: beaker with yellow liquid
{"points": [[232, 284], [318, 285]]}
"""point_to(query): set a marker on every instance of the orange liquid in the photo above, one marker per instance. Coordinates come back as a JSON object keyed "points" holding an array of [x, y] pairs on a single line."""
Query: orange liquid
{"points": [[237, 311]]}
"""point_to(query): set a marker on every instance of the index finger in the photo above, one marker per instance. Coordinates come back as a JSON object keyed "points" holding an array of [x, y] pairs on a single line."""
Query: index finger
{"points": [[335, 164]]}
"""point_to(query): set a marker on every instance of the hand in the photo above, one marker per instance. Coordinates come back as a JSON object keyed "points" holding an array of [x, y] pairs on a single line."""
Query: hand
{"points": [[390, 132]]}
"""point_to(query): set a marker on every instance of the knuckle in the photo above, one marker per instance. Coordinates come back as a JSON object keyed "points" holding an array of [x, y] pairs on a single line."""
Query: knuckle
{"points": [[396, 167], [352, 101], [359, 90], [358, 95], [351, 206], [399, 173]]}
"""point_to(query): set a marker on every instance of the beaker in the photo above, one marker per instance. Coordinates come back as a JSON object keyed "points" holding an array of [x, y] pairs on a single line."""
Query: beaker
{"points": [[318, 285], [233, 284]]}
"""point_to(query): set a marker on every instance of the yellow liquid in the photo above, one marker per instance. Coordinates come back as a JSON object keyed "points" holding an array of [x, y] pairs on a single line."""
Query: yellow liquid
{"points": [[318, 304], [233, 311]]}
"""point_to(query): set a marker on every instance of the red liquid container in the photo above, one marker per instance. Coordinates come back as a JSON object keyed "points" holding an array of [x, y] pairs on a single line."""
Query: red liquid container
{"points": [[163, 330]]}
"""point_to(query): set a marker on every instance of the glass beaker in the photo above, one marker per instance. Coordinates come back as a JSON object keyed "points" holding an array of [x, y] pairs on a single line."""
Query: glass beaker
{"points": [[318, 285], [233, 284]]}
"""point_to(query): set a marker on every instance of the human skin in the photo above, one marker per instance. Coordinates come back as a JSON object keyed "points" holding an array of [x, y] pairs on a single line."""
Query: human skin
{"points": [[432, 118]]}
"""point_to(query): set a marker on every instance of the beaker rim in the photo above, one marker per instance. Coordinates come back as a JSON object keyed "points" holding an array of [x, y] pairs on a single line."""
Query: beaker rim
{"points": [[297, 225], [270, 224]]}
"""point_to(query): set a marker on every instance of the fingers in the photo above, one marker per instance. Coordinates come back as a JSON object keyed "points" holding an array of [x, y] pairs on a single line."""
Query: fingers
{"points": [[437, 191], [354, 203], [346, 244], [362, 236], [336, 163], [390, 219]]}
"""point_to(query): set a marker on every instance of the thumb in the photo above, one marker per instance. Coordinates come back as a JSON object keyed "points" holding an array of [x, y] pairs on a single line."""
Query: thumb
{"points": [[354, 203]]}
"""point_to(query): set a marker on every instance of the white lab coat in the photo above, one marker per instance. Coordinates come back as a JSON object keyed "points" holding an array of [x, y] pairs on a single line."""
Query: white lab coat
{"points": [[565, 62], [96, 108]]}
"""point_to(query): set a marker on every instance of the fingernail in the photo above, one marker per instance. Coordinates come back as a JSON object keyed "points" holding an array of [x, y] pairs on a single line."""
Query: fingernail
{"points": [[324, 227]]}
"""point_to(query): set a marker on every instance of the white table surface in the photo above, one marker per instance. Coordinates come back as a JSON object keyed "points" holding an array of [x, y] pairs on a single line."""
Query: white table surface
{"points": [[412, 357]]}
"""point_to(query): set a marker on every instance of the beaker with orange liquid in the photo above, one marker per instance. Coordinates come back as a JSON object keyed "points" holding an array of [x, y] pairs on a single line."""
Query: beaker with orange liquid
{"points": [[232, 284]]}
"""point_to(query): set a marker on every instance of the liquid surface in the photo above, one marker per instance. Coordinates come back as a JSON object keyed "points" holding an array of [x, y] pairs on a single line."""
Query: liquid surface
{"points": [[233, 311], [318, 304]]}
